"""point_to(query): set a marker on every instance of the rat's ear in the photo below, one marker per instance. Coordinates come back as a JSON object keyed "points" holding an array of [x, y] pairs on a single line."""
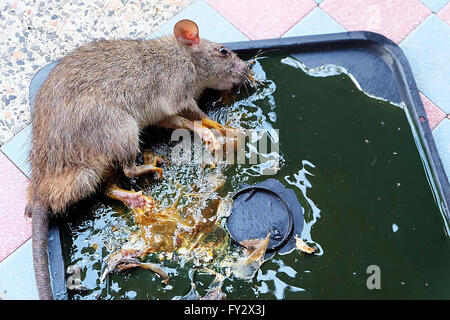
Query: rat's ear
{"points": [[186, 32]]}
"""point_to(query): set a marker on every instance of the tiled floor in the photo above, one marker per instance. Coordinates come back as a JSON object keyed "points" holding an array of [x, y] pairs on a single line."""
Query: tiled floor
{"points": [[420, 28], [428, 52], [394, 18], [15, 229], [444, 14], [316, 21], [263, 19]]}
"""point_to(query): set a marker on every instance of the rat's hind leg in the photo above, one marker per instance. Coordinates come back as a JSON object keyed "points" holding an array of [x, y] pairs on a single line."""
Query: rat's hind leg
{"points": [[130, 198], [60, 190]]}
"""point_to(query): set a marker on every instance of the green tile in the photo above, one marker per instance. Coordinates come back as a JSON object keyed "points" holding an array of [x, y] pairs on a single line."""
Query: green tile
{"points": [[17, 275], [316, 22], [428, 51]]}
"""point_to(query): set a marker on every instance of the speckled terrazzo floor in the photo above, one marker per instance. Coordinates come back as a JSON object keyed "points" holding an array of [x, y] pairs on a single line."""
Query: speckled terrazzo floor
{"points": [[33, 33]]}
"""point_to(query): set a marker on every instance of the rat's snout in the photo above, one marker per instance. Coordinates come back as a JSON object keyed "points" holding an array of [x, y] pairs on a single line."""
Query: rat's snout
{"points": [[241, 69], [240, 66]]}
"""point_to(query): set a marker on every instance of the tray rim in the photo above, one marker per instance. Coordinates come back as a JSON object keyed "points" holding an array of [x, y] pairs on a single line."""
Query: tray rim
{"points": [[386, 49]]}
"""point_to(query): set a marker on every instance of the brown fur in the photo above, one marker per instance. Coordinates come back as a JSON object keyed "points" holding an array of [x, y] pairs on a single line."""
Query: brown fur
{"points": [[90, 110]]}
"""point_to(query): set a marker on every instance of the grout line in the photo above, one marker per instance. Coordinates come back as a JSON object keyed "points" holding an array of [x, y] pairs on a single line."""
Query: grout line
{"points": [[10, 160], [328, 14], [431, 101], [241, 31], [415, 28], [442, 122], [9, 140], [437, 124], [22, 243], [17, 133], [295, 23], [410, 33], [13, 251], [435, 105], [318, 6]]}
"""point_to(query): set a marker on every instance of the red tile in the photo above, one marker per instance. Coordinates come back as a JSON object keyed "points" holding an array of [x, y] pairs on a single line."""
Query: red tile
{"points": [[434, 114], [263, 19], [394, 19], [15, 229], [444, 14]]}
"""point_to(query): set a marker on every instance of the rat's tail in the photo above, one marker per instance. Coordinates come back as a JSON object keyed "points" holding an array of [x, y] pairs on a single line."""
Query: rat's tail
{"points": [[40, 218]]}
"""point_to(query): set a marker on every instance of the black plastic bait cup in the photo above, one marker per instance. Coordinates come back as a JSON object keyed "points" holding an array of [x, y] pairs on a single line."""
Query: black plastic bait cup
{"points": [[263, 208]]}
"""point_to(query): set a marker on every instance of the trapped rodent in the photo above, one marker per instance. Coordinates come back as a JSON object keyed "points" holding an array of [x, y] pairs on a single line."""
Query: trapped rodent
{"points": [[89, 112]]}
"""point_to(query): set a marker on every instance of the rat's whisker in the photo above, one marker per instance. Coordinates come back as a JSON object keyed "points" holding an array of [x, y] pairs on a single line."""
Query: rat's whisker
{"points": [[261, 52]]}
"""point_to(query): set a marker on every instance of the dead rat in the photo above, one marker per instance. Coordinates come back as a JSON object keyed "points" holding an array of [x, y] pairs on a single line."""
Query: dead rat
{"points": [[90, 110]]}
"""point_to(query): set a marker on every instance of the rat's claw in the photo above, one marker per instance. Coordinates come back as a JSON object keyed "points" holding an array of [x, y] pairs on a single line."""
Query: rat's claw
{"points": [[227, 133], [151, 158], [151, 161], [210, 139], [210, 123], [159, 172], [130, 198]]}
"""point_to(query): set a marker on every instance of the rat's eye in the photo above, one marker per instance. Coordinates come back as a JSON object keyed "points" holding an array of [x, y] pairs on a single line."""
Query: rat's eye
{"points": [[224, 51]]}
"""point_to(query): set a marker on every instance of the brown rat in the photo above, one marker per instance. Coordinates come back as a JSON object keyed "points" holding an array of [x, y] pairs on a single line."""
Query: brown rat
{"points": [[90, 110]]}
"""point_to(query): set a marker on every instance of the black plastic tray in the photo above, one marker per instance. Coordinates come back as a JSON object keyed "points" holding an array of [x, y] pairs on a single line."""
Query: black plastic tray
{"points": [[377, 63]]}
